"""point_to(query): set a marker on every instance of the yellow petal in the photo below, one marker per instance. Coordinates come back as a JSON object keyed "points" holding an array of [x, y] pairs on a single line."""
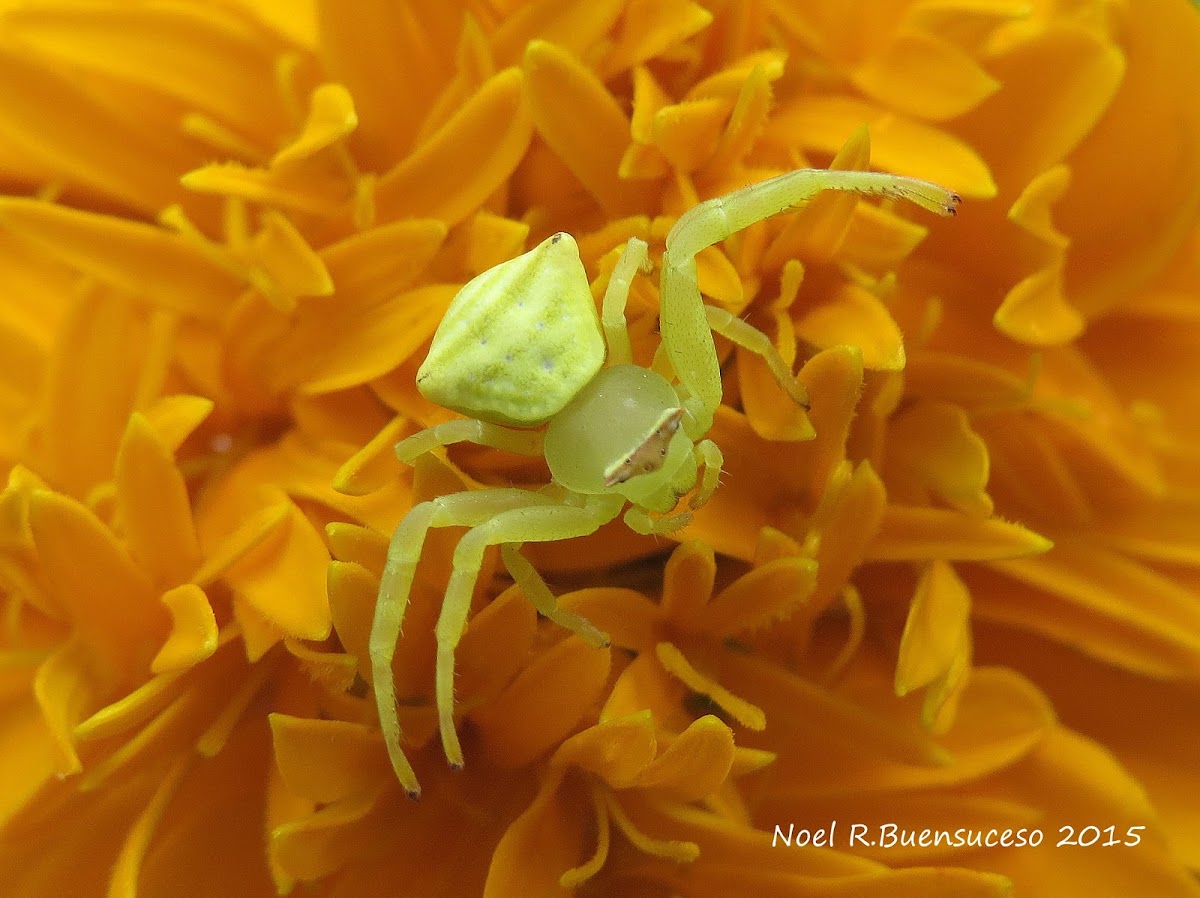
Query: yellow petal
{"points": [[452, 172], [111, 603], [202, 56], [152, 500], [283, 578], [31, 757], [909, 533], [688, 133], [932, 447], [292, 268], [330, 118], [150, 263], [174, 418], [934, 632], [855, 316], [898, 144], [582, 123], [286, 188], [377, 341], [50, 117], [128, 866], [389, 57], [844, 526], [575, 27], [925, 76], [193, 630], [377, 264], [651, 27], [65, 690]]}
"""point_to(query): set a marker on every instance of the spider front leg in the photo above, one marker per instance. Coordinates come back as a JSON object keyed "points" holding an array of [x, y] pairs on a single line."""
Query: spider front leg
{"points": [[395, 588], [684, 323], [634, 258], [536, 522], [469, 430]]}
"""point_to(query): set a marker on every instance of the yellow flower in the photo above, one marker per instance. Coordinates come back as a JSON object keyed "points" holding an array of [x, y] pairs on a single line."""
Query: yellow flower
{"points": [[959, 595]]}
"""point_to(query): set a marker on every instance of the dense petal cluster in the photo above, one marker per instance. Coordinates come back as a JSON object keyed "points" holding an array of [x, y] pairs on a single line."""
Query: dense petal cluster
{"points": [[960, 593]]}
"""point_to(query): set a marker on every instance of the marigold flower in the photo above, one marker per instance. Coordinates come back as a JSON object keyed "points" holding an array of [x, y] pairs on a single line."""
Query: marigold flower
{"points": [[956, 598]]}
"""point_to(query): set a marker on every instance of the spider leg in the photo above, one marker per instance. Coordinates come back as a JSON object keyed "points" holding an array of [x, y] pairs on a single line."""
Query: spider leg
{"points": [[616, 331], [708, 455], [469, 430], [534, 522], [539, 594], [640, 522], [751, 338], [682, 318], [395, 587]]}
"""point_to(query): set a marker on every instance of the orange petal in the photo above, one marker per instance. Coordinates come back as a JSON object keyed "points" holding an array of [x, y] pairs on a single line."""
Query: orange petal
{"points": [[544, 703], [757, 599], [552, 829], [1153, 621], [832, 718], [688, 581], [617, 750], [193, 630], [495, 645], [676, 664], [629, 618], [327, 760], [694, 764]]}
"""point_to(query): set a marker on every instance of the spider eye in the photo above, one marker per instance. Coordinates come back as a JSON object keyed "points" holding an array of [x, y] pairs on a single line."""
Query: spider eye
{"points": [[623, 424]]}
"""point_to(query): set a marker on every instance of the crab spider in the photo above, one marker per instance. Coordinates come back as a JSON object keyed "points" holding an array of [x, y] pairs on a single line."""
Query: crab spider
{"points": [[523, 353]]}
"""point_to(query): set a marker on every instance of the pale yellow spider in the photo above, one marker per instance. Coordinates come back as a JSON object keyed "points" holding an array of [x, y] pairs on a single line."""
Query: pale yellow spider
{"points": [[522, 350]]}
